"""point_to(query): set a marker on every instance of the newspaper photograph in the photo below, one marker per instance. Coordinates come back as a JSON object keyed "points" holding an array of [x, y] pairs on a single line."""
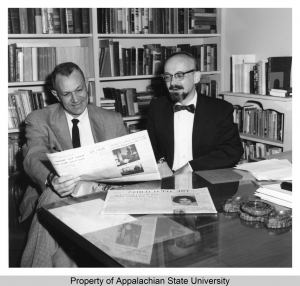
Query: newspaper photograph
{"points": [[130, 241], [128, 158], [158, 201]]}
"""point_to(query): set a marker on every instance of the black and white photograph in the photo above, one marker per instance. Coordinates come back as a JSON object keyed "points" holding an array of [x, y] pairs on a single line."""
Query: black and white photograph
{"points": [[126, 155], [129, 234], [133, 169], [184, 201]]}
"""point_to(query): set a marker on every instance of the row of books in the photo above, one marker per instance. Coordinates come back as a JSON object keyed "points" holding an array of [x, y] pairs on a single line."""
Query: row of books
{"points": [[115, 60], [208, 87], [252, 119], [15, 157], [21, 103], [157, 20], [128, 102], [36, 63], [255, 150], [48, 21], [263, 77]]}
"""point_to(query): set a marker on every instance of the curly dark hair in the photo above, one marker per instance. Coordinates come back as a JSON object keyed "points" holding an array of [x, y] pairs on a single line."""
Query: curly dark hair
{"points": [[177, 198]]}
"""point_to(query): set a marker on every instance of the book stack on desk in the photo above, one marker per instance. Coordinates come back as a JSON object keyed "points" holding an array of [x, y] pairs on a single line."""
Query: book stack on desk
{"points": [[275, 194]]}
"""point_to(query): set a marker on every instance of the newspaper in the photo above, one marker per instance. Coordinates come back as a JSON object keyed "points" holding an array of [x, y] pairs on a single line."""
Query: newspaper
{"points": [[158, 201], [128, 158], [131, 241]]}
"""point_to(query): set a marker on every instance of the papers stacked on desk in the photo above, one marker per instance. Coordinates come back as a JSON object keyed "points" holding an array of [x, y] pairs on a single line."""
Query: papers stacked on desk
{"points": [[274, 193], [269, 169]]}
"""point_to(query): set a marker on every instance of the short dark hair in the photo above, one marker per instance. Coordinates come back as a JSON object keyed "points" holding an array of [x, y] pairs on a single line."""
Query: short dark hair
{"points": [[188, 55], [177, 198], [65, 69]]}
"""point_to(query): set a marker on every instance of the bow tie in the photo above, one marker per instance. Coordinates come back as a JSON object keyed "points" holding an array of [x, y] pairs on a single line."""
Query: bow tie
{"points": [[190, 108]]}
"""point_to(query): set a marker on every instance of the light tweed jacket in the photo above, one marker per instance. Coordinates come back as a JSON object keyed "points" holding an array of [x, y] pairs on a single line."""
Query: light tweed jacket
{"points": [[47, 130]]}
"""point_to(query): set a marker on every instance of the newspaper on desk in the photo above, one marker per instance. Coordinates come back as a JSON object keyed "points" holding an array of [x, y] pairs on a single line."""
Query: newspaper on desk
{"points": [[158, 201], [128, 158]]}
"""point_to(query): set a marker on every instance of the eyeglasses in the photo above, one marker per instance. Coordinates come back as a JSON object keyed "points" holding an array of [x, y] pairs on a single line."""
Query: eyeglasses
{"points": [[179, 76]]}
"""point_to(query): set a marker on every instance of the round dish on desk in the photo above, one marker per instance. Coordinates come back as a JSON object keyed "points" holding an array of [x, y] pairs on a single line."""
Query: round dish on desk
{"points": [[233, 205], [256, 208], [279, 219]]}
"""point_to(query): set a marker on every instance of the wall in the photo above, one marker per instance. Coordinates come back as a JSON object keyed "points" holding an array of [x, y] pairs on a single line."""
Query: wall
{"points": [[264, 32]]}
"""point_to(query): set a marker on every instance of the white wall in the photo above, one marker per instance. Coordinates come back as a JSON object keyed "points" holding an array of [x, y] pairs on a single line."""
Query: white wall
{"points": [[264, 32]]}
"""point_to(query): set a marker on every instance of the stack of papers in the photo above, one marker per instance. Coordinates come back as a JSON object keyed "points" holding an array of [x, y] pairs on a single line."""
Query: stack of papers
{"points": [[269, 170], [274, 194]]}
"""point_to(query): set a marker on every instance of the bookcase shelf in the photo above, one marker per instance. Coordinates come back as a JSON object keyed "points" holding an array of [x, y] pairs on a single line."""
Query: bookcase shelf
{"points": [[29, 83], [48, 36], [155, 36], [279, 104]]}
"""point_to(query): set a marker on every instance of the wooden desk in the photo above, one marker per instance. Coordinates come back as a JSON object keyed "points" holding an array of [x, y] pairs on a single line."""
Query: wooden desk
{"points": [[213, 240]]}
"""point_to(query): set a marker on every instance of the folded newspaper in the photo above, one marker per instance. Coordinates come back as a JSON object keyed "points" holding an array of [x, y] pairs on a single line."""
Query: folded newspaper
{"points": [[158, 201], [128, 158]]}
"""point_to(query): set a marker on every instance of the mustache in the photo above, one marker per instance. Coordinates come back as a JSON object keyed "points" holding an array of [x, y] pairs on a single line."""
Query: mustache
{"points": [[172, 87]]}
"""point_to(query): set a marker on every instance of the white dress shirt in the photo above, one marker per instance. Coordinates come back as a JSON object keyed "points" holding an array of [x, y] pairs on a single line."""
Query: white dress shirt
{"points": [[183, 132], [84, 126]]}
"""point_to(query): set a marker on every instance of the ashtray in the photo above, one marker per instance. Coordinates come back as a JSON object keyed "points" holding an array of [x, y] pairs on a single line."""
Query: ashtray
{"points": [[256, 208], [233, 205], [279, 219]]}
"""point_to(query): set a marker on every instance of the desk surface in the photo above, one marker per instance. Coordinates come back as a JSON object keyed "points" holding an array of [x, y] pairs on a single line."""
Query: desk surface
{"points": [[197, 240]]}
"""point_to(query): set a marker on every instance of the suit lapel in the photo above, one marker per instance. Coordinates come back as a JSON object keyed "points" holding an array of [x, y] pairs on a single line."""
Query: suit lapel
{"points": [[169, 127], [61, 129], [199, 121], [98, 128]]}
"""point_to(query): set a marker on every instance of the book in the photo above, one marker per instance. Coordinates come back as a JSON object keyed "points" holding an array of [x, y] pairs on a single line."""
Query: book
{"points": [[106, 66], [77, 16], [239, 59], [15, 20], [85, 20], [56, 21], [116, 58], [23, 20], [10, 31], [279, 73], [31, 20], [38, 21], [62, 16], [44, 14], [69, 21]]}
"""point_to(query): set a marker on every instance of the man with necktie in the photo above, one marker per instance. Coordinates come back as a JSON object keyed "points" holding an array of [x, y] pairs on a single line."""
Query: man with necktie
{"points": [[71, 123], [190, 131]]}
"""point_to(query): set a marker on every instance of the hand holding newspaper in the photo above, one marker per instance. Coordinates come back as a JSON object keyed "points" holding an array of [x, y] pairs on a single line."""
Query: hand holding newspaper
{"points": [[128, 158]]}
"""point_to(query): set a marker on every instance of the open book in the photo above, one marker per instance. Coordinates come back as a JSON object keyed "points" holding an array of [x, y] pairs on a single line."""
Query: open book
{"points": [[128, 158]]}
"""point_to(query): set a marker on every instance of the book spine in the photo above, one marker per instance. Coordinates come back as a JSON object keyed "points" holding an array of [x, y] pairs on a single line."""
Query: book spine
{"points": [[175, 20], [31, 20], [62, 15], [124, 20], [50, 20], [85, 20], [146, 21], [69, 21], [133, 61], [23, 20], [44, 20], [150, 27], [180, 20], [38, 21], [15, 20], [116, 58], [56, 21], [10, 31], [119, 21], [77, 14], [12, 62]]}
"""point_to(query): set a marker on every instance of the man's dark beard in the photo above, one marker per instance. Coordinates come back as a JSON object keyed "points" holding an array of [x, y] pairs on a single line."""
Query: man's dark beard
{"points": [[177, 94]]}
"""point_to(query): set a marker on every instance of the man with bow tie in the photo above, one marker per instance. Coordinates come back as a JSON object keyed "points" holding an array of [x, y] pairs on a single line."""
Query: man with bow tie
{"points": [[190, 131]]}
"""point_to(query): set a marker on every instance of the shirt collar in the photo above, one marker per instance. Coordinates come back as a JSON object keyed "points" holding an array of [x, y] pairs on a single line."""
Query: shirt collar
{"points": [[82, 117]]}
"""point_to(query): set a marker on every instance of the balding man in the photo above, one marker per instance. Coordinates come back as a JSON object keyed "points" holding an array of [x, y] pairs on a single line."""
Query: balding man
{"points": [[190, 131]]}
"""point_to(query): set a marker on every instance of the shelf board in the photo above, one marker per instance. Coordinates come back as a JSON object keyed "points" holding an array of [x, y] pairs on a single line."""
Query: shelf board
{"points": [[16, 130], [133, 77], [256, 96], [135, 117], [30, 83], [261, 139], [155, 36], [48, 36]]}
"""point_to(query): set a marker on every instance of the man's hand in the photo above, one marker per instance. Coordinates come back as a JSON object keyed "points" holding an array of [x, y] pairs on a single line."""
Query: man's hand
{"points": [[184, 169], [164, 170], [64, 185]]}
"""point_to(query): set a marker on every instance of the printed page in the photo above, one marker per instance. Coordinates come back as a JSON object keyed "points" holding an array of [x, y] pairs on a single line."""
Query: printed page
{"points": [[125, 159], [158, 201]]}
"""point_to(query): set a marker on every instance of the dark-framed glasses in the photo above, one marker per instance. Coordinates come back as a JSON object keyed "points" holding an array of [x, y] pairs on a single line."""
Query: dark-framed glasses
{"points": [[179, 75]]}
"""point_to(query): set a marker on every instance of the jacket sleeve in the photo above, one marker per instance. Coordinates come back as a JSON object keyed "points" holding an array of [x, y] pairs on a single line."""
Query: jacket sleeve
{"points": [[36, 163], [227, 149]]}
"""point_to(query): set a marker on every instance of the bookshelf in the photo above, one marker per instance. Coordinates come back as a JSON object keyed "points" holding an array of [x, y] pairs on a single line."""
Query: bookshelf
{"points": [[279, 104]]}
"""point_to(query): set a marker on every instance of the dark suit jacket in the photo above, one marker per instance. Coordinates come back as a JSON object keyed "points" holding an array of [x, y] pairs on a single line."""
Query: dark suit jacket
{"points": [[216, 141], [47, 129]]}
